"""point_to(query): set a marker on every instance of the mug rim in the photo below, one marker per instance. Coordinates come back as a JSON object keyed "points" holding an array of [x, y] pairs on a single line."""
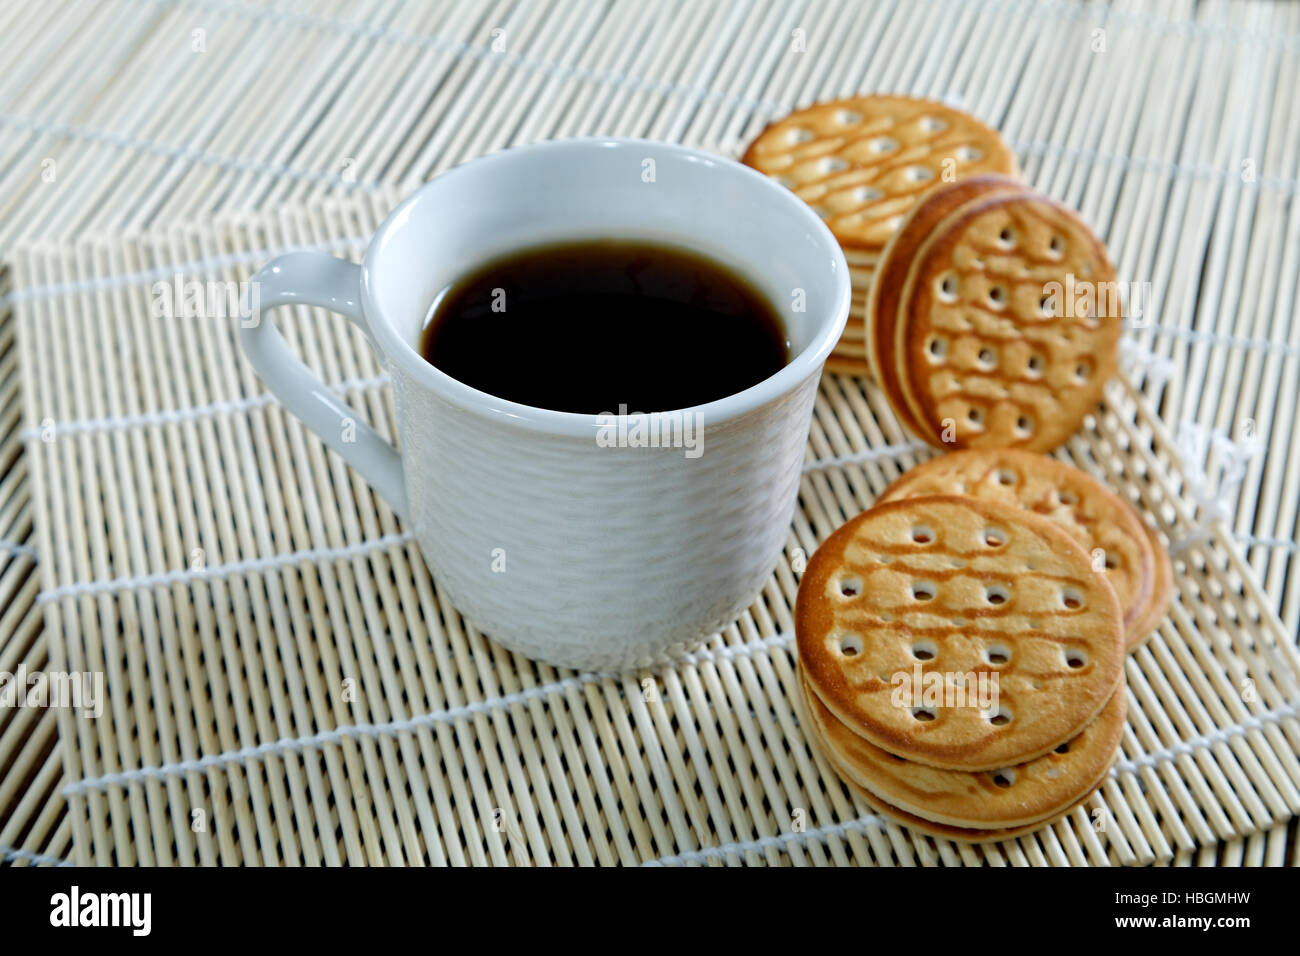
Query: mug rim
{"points": [[800, 366]]}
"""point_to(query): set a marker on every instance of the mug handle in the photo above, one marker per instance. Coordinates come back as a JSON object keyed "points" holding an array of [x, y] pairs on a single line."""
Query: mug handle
{"points": [[312, 278]]}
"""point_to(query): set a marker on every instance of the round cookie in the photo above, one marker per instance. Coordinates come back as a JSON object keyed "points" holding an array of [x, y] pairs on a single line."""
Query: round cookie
{"points": [[956, 834], [942, 831], [1008, 326], [895, 264], [1094, 515], [863, 162], [1023, 794], [1162, 593], [957, 585]]}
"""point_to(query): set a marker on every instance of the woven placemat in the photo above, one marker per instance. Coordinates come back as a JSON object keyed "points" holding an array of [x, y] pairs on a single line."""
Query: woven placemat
{"points": [[1166, 123], [285, 683]]}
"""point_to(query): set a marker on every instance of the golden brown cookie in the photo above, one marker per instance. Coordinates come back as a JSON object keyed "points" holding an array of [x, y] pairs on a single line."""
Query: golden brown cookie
{"points": [[1162, 592], [896, 262], [956, 834], [1094, 515], [1008, 325], [862, 162], [1015, 796], [956, 585]]}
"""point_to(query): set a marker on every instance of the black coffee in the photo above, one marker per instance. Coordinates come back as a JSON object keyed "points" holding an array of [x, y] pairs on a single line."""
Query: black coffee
{"points": [[589, 326]]}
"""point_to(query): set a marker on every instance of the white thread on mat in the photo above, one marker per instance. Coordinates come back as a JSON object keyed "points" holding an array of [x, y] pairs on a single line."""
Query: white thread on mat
{"points": [[692, 658], [10, 853], [1192, 443], [272, 561], [409, 724], [1263, 541], [1152, 164], [1140, 164], [17, 549], [484, 53], [173, 416], [235, 406], [346, 243], [1072, 11], [195, 266], [188, 154], [1198, 336], [862, 457], [1068, 12], [1193, 538], [821, 834], [1205, 741], [1138, 361], [570, 72], [249, 565]]}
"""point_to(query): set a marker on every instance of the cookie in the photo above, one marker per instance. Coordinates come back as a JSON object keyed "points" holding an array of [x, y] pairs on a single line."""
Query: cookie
{"points": [[1023, 794], [1095, 516], [959, 586], [1162, 592], [997, 339], [945, 832], [896, 262], [863, 162]]}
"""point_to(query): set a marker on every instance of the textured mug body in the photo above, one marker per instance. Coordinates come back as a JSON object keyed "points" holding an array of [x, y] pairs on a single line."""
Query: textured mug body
{"points": [[549, 537], [600, 557]]}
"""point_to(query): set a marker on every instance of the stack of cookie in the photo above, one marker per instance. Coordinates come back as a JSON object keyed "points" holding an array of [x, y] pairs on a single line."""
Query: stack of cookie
{"points": [[863, 163], [961, 643], [961, 664]]}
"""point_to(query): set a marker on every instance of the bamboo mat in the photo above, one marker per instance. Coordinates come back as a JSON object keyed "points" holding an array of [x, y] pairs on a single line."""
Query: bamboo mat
{"points": [[282, 670], [1177, 141], [34, 826]]}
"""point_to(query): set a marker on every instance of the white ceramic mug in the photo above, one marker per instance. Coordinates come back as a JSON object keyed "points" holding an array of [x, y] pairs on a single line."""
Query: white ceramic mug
{"points": [[545, 537]]}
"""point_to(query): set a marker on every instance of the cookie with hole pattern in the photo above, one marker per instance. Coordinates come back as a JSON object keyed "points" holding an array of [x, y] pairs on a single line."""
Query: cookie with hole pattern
{"points": [[886, 810], [881, 311], [1008, 326], [1104, 524], [864, 161], [942, 831], [911, 821], [1023, 794], [955, 585]]}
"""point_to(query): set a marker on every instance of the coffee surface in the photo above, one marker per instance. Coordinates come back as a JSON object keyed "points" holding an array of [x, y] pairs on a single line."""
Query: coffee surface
{"points": [[591, 326]]}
